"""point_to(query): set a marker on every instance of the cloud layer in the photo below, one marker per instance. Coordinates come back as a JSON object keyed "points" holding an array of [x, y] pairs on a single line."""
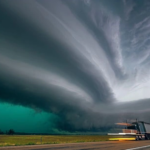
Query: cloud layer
{"points": [[84, 60]]}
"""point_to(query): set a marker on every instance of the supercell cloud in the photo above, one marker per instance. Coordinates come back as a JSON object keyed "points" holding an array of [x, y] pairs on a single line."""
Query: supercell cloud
{"points": [[86, 61]]}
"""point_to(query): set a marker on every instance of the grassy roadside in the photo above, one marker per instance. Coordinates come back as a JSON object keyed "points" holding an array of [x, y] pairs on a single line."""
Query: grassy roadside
{"points": [[17, 140]]}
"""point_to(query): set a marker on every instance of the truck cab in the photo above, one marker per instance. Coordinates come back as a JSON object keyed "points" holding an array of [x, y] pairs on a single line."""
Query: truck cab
{"points": [[138, 130], [142, 128]]}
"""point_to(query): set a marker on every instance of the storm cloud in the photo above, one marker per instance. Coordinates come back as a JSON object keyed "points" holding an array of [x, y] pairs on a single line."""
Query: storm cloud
{"points": [[86, 61]]}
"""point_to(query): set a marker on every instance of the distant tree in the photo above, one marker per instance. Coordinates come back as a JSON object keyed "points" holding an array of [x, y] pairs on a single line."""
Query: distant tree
{"points": [[11, 132], [1, 132]]}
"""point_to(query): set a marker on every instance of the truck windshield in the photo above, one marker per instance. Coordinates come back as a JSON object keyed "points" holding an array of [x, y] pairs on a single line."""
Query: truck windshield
{"points": [[131, 127]]}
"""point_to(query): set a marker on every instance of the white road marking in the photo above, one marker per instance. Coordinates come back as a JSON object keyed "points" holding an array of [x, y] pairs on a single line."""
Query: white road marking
{"points": [[138, 147]]}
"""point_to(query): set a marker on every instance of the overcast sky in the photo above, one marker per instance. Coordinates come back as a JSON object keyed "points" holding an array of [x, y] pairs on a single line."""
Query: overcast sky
{"points": [[86, 61]]}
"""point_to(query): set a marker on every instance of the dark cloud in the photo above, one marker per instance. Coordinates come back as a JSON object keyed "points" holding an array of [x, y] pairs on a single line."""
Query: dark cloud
{"points": [[78, 59], [94, 17]]}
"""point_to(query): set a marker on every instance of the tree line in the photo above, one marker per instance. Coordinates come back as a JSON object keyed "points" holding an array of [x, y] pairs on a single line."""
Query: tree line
{"points": [[9, 132]]}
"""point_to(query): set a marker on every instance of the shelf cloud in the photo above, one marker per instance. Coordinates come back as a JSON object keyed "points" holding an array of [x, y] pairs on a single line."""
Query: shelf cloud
{"points": [[84, 60]]}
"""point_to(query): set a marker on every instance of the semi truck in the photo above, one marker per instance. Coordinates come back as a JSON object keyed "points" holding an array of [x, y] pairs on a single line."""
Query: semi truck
{"points": [[138, 130]]}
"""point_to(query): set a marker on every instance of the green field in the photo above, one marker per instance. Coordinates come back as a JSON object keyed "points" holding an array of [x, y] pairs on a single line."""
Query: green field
{"points": [[8, 140]]}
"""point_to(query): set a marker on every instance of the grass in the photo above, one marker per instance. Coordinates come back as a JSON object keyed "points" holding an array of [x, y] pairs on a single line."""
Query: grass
{"points": [[17, 140]]}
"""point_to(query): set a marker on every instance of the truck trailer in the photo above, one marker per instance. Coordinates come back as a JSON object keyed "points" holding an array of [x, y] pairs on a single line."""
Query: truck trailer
{"points": [[138, 130]]}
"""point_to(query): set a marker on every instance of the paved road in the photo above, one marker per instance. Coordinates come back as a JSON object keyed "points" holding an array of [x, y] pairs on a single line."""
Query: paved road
{"points": [[108, 145]]}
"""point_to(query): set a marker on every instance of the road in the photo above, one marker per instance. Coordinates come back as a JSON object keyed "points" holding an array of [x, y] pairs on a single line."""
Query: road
{"points": [[108, 145]]}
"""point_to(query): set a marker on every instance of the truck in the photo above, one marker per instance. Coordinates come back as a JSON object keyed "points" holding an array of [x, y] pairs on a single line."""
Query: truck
{"points": [[138, 130]]}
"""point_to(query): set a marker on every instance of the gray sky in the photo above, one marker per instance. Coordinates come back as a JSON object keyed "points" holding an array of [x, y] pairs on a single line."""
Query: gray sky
{"points": [[86, 61]]}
